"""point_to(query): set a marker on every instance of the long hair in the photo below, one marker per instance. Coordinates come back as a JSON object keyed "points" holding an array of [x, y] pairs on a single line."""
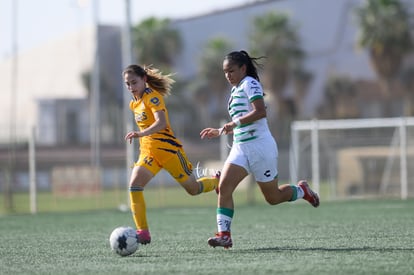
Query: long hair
{"points": [[155, 79], [242, 58]]}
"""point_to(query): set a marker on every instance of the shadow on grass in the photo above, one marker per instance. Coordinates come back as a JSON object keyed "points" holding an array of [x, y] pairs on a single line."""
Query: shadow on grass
{"points": [[327, 249]]}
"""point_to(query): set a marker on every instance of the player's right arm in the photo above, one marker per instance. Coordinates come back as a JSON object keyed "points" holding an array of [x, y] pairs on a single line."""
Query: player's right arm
{"points": [[213, 132]]}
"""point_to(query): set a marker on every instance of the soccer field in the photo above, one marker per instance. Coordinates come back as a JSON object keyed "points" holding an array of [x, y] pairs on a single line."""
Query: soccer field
{"points": [[351, 237]]}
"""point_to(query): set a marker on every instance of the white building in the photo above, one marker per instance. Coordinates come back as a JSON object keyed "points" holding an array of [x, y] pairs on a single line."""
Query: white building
{"points": [[50, 77], [53, 71], [327, 30]]}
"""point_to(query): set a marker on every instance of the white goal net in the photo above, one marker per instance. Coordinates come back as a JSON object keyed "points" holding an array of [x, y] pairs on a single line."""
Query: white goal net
{"points": [[355, 157]]}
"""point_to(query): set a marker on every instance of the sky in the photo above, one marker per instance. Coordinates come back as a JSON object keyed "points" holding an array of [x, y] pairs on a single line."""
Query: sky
{"points": [[38, 21]]}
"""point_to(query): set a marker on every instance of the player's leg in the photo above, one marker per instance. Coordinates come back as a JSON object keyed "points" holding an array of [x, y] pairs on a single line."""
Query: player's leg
{"points": [[195, 186], [286, 192], [142, 173], [264, 162], [274, 194], [181, 169], [231, 176], [263, 159]]}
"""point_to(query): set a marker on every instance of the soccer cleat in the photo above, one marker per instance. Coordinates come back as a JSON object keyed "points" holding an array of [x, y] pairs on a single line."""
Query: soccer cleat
{"points": [[144, 236], [309, 195], [221, 239], [217, 176]]}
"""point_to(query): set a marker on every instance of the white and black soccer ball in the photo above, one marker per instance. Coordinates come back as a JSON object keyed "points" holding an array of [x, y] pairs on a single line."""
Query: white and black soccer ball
{"points": [[124, 240]]}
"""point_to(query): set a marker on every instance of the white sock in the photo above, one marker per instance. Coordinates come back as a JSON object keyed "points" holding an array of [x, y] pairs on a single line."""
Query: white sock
{"points": [[300, 193], [223, 223]]}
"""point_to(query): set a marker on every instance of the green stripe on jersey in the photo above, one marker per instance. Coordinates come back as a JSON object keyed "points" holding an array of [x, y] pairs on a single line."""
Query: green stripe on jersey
{"points": [[255, 97], [244, 140], [237, 104], [238, 112]]}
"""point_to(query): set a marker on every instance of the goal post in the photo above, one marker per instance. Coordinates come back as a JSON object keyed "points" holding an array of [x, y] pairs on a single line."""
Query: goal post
{"points": [[354, 157]]}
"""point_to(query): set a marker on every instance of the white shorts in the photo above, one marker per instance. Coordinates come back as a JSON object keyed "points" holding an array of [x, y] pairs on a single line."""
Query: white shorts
{"points": [[258, 157]]}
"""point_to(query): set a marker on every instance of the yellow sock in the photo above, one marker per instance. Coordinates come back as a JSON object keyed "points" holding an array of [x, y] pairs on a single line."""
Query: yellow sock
{"points": [[138, 208], [208, 184]]}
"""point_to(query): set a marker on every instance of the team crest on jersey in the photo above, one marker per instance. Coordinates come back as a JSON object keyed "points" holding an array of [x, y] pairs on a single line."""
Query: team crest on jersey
{"points": [[155, 101]]}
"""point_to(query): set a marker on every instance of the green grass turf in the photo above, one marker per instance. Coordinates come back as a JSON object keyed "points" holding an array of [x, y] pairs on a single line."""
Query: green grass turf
{"points": [[156, 197], [349, 237]]}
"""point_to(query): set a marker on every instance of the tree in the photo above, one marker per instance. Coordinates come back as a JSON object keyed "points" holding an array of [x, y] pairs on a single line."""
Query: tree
{"points": [[340, 98], [407, 81], [274, 37], [385, 32], [210, 87], [155, 42]]}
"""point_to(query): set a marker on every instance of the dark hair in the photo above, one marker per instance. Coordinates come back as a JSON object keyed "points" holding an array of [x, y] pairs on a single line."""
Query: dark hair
{"points": [[155, 79], [242, 58]]}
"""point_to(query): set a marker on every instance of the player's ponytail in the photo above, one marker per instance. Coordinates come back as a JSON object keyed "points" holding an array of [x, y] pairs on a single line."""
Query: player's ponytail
{"points": [[242, 58], [155, 79], [158, 81]]}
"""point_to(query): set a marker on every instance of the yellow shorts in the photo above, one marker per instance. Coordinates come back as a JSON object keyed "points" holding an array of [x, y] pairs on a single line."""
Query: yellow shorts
{"points": [[178, 165]]}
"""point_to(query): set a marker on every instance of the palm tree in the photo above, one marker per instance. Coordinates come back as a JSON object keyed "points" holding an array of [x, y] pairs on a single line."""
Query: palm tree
{"points": [[210, 87], [340, 98], [407, 80], [385, 32], [155, 42], [276, 38]]}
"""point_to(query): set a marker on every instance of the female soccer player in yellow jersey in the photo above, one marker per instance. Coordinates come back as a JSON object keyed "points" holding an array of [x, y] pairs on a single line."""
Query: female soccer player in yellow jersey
{"points": [[254, 149], [159, 148]]}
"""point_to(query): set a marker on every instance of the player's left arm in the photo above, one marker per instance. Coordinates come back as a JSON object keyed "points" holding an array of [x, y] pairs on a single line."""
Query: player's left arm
{"points": [[255, 93], [156, 105], [159, 124], [258, 112]]}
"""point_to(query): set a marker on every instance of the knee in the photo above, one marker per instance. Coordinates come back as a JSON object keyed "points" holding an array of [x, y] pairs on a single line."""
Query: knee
{"points": [[225, 195]]}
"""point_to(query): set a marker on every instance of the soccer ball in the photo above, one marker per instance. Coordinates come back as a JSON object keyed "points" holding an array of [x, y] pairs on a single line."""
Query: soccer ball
{"points": [[124, 240]]}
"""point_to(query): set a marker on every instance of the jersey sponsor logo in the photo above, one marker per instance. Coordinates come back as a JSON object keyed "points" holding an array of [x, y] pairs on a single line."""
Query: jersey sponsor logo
{"points": [[255, 87], [256, 90], [140, 116]]}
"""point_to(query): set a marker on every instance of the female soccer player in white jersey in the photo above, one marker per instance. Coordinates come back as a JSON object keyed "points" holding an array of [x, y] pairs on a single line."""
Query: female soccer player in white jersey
{"points": [[254, 149]]}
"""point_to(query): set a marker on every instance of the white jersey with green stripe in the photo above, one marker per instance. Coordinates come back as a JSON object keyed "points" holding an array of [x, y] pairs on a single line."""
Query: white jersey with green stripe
{"points": [[248, 90]]}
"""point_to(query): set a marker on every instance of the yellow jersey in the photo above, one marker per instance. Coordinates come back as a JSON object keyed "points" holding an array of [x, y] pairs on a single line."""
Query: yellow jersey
{"points": [[163, 144]]}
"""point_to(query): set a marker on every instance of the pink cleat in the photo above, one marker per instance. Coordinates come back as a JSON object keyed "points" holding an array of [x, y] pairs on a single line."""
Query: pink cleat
{"points": [[144, 236], [310, 196], [221, 239]]}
